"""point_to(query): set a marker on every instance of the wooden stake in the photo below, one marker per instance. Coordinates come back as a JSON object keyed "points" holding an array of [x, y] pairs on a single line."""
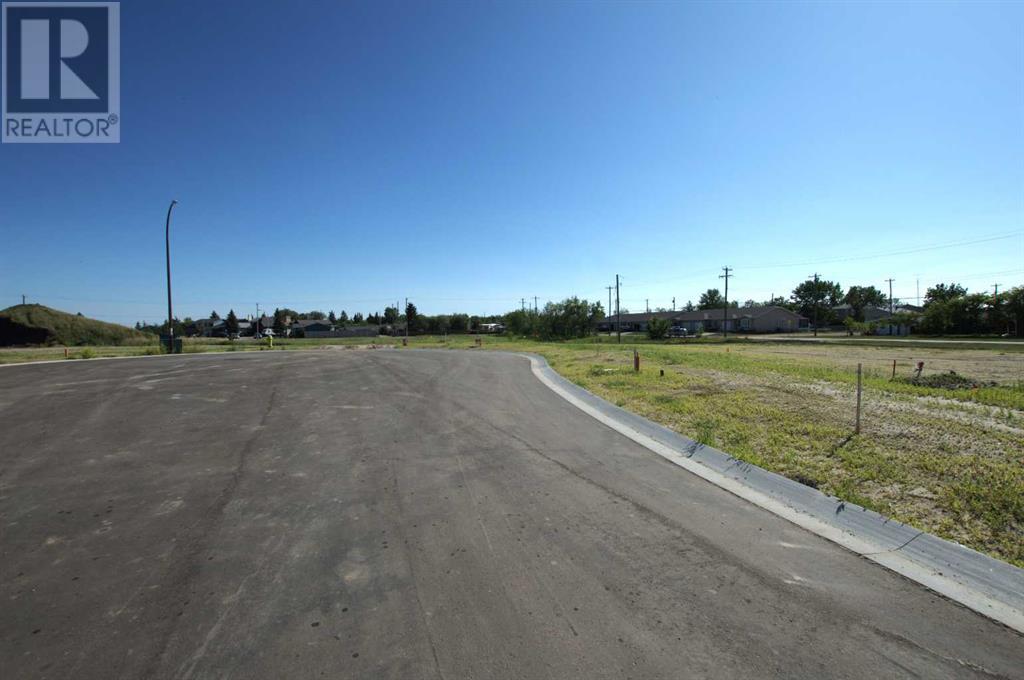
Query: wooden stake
{"points": [[859, 372]]}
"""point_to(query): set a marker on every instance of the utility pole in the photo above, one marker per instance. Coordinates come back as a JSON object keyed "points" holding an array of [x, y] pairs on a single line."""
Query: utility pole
{"points": [[815, 275], [609, 307], [890, 304], [22, 298], [647, 303], [994, 285], [257, 319], [170, 312], [673, 303], [618, 313], [406, 321], [534, 304], [725, 309], [918, 291], [522, 304]]}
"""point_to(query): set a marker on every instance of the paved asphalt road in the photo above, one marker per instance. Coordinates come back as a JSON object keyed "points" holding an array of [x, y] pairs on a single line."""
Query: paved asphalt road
{"points": [[409, 514]]}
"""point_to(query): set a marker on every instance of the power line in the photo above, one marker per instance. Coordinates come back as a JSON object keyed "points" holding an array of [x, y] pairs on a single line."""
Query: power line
{"points": [[888, 253]]}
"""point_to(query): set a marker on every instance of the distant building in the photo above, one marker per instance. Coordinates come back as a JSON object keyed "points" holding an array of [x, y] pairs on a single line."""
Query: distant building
{"points": [[207, 328], [845, 311], [766, 319], [303, 327]]}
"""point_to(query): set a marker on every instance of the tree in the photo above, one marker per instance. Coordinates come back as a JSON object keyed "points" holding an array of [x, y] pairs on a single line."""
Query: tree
{"points": [[330, 317], [520, 322], [689, 306], [412, 319], [1014, 309], [214, 315], [657, 328], [963, 314], [231, 323], [316, 315], [710, 299], [280, 325], [439, 324], [860, 297], [571, 318], [822, 296], [357, 317], [944, 293], [777, 301], [391, 315], [343, 317], [459, 323]]}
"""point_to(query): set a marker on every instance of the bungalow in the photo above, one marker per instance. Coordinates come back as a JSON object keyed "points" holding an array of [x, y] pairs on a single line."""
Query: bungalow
{"points": [[207, 328], [871, 313], [765, 319], [303, 327]]}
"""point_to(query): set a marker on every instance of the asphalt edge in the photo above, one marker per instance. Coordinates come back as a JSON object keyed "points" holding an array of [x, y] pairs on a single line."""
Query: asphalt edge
{"points": [[988, 586]]}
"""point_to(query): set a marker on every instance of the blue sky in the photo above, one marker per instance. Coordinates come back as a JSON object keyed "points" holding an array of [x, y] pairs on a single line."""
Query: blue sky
{"points": [[343, 155]]}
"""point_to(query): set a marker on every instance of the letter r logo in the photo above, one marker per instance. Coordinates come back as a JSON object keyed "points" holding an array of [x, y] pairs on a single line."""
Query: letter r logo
{"points": [[61, 71], [57, 57]]}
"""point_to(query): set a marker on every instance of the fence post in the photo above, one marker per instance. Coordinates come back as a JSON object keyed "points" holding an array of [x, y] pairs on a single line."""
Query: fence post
{"points": [[636, 361], [859, 372], [893, 369]]}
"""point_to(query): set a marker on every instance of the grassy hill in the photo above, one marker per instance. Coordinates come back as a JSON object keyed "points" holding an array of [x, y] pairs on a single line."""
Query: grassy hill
{"points": [[40, 325]]}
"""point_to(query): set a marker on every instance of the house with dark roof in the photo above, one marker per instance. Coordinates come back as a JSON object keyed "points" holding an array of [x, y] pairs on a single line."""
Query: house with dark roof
{"points": [[762, 319], [303, 327]]}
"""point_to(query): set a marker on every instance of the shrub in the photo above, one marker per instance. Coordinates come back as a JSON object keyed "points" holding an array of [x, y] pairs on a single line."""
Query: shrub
{"points": [[657, 328]]}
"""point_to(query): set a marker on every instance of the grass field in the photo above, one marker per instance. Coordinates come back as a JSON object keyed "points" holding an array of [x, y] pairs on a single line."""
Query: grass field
{"points": [[950, 461]]}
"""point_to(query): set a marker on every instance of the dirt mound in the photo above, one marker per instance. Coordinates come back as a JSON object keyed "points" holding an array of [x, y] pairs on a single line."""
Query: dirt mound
{"points": [[947, 381]]}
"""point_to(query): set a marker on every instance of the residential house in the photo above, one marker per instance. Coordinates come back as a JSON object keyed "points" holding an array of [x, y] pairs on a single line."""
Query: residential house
{"points": [[762, 319], [303, 327]]}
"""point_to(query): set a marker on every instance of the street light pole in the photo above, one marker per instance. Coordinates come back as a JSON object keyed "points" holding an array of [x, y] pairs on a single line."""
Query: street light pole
{"points": [[170, 311]]}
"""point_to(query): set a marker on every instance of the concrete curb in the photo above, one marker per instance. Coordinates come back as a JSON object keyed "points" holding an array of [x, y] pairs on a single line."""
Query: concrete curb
{"points": [[990, 587]]}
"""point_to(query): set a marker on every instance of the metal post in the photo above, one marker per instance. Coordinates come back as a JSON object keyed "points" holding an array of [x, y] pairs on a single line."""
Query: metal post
{"points": [[859, 373], [170, 311]]}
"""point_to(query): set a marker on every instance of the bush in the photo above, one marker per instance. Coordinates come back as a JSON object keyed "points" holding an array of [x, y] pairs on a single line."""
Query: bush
{"points": [[657, 329]]}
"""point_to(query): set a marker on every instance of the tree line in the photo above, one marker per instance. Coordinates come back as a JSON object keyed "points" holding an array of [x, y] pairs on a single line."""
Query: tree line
{"points": [[948, 309]]}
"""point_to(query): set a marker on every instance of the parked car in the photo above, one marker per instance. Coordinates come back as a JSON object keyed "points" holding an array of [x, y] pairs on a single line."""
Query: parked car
{"points": [[678, 332]]}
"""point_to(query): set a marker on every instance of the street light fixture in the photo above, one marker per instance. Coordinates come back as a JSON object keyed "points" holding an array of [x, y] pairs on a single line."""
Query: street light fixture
{"points": [[170, 312]]}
